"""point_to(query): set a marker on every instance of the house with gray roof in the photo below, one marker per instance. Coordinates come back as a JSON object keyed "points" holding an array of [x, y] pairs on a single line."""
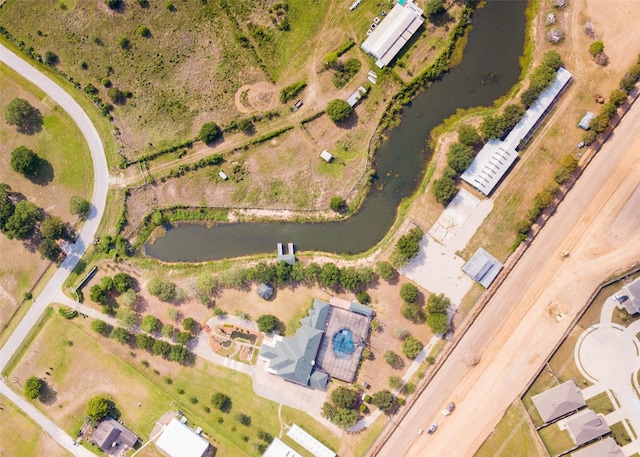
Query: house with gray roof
{"points": [[112, 437], [559, 401], [294, 358], [586, 426], [629, 297], [603, 448]]}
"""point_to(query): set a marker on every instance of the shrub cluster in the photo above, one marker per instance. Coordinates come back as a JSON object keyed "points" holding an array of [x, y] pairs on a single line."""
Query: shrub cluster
{"points": [[345, 71], [291, 91], [407, 247], [343, 408]]}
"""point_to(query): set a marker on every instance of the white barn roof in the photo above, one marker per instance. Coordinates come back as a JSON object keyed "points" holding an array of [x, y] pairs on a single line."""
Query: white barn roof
{"points": [[308, 442], [393, 32], [178, 440], [277, 448], [496, 157]]}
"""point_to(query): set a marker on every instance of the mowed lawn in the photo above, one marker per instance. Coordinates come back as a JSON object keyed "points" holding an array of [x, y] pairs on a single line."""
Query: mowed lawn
{"points": [[512, 436], [82, 364], [20, 436], [62, 145]]}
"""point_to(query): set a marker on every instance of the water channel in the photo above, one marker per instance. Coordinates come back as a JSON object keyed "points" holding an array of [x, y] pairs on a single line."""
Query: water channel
{"points": [[489, 69]]}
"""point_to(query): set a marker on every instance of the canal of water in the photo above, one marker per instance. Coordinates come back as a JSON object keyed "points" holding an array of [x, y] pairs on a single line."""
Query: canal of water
{"points": [[489, 69]]}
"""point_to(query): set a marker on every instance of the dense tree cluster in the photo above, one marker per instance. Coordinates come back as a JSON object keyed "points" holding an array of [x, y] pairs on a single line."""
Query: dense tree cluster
{"points": [[338, 110], [444, 188], [437, 320], [407, 247], [342, 408]]}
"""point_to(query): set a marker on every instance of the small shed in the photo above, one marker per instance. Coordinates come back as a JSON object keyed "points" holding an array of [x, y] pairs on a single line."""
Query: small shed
{"points": [[265, 291], [326, 155], [223, 175], [585, 122]]}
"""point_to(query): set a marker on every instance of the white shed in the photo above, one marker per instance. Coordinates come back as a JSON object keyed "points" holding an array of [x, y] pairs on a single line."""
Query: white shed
{"points": [[223, 175], [326, 155]]}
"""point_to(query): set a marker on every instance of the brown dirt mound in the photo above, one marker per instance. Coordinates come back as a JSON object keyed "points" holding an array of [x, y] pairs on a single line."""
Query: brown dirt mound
{"points": [[260, 96]]}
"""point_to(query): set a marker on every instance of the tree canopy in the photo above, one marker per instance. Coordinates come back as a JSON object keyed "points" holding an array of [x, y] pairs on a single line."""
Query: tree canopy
{"points": [[98, 407], [209, 132], [492, 127], [22, 222], [438, 323], [344, 397], [411, 347], [52, 227], [330, 275], [122, 282], [438, 303], [79, 206], [444, 188], [32, 387], [267, 323], [150, 324], [220, 401], [338, 204], [596, 48], [164, 290], [383, 400], [459, 157], [25, 161], [468, 135], [6, 205], [407, 247], [21, 114], [409, 292], [338, 110], [49, 249]]}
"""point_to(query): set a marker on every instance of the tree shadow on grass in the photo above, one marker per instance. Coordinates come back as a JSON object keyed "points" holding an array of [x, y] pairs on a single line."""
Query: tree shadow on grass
{"points": [[47, 396], [32, 124], [44, 173]]}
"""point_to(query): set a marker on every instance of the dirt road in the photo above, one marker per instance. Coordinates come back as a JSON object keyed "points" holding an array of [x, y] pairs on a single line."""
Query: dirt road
{"points": [[518, 328]]}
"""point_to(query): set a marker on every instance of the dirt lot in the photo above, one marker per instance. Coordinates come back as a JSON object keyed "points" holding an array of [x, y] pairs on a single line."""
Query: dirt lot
{"points": [[60, 143]]}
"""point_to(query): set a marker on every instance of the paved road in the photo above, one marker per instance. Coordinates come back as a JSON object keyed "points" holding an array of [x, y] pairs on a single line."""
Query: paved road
{"points": [[87, 234], [518, 328]]}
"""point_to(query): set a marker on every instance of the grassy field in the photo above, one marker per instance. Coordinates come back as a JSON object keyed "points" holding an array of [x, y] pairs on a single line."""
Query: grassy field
{"points": [[620, 434], [69, 172], [512, 436], [76, 368], [24, 437], [555, 440], [601, 404]]}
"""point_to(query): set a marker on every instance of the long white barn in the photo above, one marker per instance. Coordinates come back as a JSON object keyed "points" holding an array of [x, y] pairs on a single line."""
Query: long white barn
{"points": [[393, 32], [496, 157]]}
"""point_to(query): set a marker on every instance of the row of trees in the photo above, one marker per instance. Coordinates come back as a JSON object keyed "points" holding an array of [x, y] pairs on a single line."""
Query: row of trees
{"points": [[616, 98], [174, 352], [327, 275], [460, 154]]}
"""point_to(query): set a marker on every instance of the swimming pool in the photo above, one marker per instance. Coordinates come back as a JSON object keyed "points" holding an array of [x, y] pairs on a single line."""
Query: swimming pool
{"points": [[343, 345]]}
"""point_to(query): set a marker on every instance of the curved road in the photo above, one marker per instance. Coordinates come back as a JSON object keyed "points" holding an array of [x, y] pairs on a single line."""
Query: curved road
{"points": [[76, 250]]}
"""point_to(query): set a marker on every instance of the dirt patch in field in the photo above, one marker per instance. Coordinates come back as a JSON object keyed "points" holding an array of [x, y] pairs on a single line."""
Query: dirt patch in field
{"points": [[261, 96]]}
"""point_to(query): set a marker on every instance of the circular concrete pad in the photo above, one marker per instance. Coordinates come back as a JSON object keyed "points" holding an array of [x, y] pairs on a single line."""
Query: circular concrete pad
{"points": [[607, 354]]}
